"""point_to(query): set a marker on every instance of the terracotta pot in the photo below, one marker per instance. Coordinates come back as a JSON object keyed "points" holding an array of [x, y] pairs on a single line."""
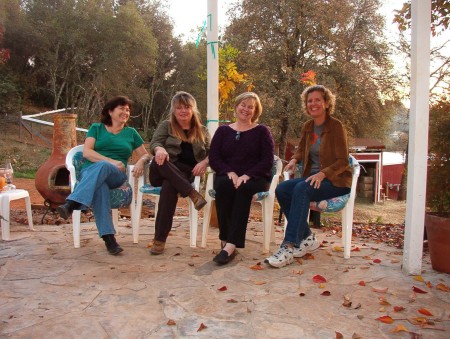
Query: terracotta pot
{"points": [[438, 233]]}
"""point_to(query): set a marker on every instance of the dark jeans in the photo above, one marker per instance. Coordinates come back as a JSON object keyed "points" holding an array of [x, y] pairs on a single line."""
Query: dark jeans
{"points": [[294, 197], [174, 179], [233, 207]]}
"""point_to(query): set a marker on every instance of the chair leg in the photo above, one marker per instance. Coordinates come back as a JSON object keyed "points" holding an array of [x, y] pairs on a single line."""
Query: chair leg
{"points": [[137, 217], [206, 220], [193, 223], [76, 220], [347, 228], [267, 223], [29, 214], [115, 219]]}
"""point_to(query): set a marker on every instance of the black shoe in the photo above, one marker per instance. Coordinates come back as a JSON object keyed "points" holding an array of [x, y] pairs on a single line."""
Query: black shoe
{"points": [[111, 244], [223, 258], [65, 211]]}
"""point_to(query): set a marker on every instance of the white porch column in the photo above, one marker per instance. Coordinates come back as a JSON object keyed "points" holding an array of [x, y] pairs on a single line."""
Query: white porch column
{"points": [[418, 135], [212, 37]]}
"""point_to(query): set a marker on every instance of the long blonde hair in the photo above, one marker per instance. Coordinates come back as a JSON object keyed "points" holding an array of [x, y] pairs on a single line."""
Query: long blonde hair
{"points": [[195, 133]]}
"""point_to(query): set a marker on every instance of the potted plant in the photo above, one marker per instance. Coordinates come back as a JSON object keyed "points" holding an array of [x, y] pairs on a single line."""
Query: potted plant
{"points": [[437, 217]]}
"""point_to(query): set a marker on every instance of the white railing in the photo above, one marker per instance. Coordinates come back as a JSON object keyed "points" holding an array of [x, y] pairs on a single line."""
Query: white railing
{"points": [[31, 118]]}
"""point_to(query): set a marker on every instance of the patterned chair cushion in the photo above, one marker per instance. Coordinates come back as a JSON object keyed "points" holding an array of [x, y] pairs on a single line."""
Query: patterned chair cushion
{"points": [[149, 189], [120, 197], [330, 205]]}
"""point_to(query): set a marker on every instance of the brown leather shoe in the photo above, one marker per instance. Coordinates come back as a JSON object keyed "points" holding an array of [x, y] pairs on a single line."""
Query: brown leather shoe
{"points": [[197, 199], [157, 247]]}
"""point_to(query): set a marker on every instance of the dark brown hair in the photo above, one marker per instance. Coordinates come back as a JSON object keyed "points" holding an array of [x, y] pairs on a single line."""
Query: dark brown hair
{"points": [[105, 118]]}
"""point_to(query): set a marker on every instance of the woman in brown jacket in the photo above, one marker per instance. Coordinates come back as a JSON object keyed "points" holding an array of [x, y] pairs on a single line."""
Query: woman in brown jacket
{"points": [[323, 151]]}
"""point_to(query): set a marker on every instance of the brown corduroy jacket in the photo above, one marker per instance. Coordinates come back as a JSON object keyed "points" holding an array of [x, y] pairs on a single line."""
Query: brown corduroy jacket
{"points": [[333, 152]]}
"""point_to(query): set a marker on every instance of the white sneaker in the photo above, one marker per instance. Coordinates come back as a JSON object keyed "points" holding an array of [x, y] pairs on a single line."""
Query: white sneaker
{"points": [[284, 256], [306, 246]]}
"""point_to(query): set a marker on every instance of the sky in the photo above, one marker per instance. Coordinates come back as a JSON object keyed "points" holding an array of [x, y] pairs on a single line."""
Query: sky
{"points": [[188, 15]]}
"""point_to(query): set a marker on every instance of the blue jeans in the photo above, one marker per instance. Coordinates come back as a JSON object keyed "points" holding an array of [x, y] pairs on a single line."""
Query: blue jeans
{"points": [[294, 197], [93, 189]]}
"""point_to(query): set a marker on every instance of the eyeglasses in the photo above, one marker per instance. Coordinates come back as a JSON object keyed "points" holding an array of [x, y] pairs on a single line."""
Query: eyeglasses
{"points": [[238, 135]]}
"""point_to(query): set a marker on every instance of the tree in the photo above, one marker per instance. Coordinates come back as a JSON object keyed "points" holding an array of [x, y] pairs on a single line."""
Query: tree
{"points": [[341, 41]]}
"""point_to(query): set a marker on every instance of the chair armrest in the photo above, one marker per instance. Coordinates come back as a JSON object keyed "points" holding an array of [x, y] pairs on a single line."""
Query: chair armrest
{"points": [[196, 183]]}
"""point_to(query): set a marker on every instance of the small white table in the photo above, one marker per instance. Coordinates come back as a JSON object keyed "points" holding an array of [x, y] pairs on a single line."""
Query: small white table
{"points": [[5, 198]]}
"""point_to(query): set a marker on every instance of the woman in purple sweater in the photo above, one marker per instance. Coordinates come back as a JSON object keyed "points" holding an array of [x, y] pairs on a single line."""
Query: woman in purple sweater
{"points": [[241, 154]]}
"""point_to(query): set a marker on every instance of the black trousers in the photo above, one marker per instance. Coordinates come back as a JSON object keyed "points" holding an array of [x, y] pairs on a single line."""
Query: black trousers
{"points": [[174, 179], [233, 207]]}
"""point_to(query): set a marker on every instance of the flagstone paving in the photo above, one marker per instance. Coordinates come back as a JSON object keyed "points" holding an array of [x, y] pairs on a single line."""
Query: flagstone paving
{"points": [[50, 289]]}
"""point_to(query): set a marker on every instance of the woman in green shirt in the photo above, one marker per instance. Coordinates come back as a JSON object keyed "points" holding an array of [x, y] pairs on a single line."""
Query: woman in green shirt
{"points": [[107, 148]]}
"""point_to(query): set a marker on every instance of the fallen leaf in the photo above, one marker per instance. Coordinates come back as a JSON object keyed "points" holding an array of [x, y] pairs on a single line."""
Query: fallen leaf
{"points": [[321, 285], [257, 267], [419, 321], [308, 256], [385, 319], [339, 335], [326, 293], [299, 272], [356, 249], [202, 327], [360, 316], [177, 254], [398, 308], [338, 249], [380, 289], [362, 283], [394, 261], [299, 260], [382, 309], [418, 290], [319, 279], [376, 261], [443, 287], [302, 294], [223, 288], [429, 285], [347, 302], [357, 306], [259, 282], [419, 278], [364, 267], [367, 257], [412, 297], [424, 311], [399, 328], [383, 301], [171, 322], [232, 301]]}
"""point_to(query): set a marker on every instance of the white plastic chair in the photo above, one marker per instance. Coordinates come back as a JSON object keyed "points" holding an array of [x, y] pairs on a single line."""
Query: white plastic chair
{"points": [[72, 158], [344, 203], [145, 188], [266, 199]]}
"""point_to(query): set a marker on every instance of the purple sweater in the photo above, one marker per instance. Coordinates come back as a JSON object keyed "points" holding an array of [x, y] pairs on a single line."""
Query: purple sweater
{"points": [[250, 152]]}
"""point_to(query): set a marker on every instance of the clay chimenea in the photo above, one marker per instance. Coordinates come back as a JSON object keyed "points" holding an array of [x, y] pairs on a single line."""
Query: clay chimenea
{"points": [[52, 178]]}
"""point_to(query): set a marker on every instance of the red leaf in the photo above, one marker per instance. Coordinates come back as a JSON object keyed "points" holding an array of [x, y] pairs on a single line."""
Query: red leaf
{"points": [[362, 283], [319, 279], [326, 293], [257, 267], [171, 322], [386, 319], [398, 308], [202, 327], [223, 288], [356, 249], [418, 290], [376, 261], [424, 311]]}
